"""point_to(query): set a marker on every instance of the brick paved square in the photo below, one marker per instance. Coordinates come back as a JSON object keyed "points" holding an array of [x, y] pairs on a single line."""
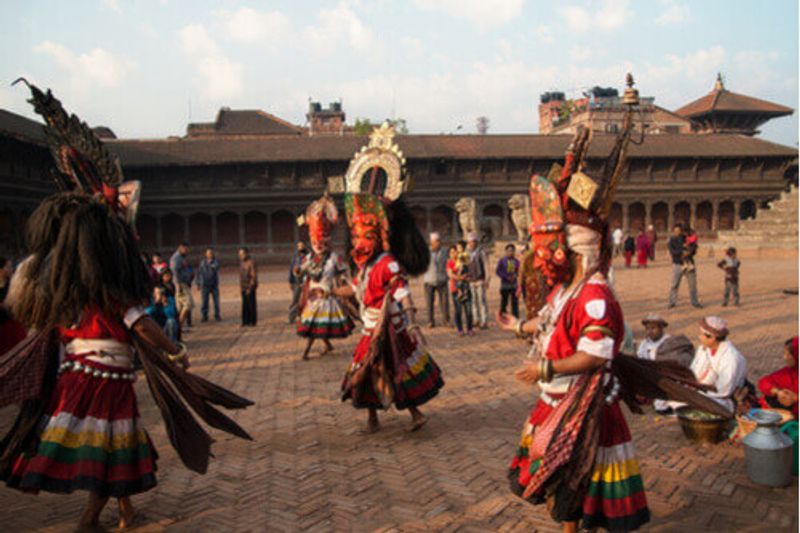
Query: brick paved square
{"points": [[310, 467]]}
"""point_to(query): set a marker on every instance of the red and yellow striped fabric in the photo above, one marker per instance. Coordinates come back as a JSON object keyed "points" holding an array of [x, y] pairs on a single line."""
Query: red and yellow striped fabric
{"points": [[91, 439]]}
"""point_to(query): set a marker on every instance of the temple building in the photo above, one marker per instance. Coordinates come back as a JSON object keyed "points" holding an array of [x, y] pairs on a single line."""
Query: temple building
{"points": [[244, 178]]}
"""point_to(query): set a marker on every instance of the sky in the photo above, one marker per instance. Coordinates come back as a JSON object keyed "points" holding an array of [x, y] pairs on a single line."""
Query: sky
{"points": [[145, 68]]}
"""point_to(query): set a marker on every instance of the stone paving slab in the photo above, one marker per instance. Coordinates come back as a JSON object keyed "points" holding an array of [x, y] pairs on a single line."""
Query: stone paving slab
{"points": [[312, 469]]}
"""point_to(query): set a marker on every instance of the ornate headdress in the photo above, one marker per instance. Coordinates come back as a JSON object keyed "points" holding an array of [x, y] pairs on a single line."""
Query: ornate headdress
{"points": [[84, 165], [375, 178], [321, 217]]}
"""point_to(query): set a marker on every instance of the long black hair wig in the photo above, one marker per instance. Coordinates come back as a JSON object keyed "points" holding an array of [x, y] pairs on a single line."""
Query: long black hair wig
{"points": [[81, 254], [405, 240]]}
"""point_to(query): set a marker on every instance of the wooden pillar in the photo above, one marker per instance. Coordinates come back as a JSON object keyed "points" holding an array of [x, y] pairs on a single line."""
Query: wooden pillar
{"points": [[214, 234], [714, 215], [670, 216], [692, 214], [269, 231], [737, 204], [185, 228], [504, 225], [626, 222], [648, 213], [456, 230], [241, 228]]}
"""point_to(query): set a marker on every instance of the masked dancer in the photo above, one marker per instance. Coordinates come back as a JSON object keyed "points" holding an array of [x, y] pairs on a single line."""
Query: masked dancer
{"points": [[576, 452], [391, 364], [323, 316], [82, 290]]}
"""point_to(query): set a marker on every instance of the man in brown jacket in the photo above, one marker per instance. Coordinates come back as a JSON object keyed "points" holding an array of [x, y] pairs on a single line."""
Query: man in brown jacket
{"points": [[248, 283]]}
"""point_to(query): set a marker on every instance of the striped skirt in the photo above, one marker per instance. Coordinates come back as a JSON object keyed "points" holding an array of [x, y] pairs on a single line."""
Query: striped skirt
{"points": [[420, 382], [615, 498], [324, 318], [90, 439]]}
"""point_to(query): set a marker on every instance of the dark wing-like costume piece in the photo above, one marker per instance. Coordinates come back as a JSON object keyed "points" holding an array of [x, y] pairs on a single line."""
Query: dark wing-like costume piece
{"points": [[28, 371]]}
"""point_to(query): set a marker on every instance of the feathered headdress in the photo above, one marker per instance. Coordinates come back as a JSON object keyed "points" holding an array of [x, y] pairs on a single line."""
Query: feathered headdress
{"points": [[83, 162]]}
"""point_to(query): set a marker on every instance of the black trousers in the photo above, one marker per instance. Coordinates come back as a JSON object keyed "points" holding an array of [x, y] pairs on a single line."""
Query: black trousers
{"points": [[505, 294], [444, 301], [249, 317]]}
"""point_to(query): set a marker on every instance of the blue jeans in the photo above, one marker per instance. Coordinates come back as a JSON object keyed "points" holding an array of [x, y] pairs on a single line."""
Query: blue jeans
{"points": [[171, 329], [213, 291], [465, 306]]}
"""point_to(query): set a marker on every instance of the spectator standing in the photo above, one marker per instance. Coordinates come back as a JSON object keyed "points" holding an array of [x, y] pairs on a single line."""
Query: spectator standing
{"points": [[208, 281], [6, 271], [630, 248], [248, 283], [158, 263], [183, 276], [653, 236], [677, 251], [296, 281], [642, 249], [435, 281], [459, 287], [730, 264], [617, 237], [508, 271], [478, 281]]}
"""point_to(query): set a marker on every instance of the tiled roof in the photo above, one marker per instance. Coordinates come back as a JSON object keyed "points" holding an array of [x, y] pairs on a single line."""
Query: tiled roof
{"points": [[727, 101], [21, 128], [244, 122], [250, 149]]}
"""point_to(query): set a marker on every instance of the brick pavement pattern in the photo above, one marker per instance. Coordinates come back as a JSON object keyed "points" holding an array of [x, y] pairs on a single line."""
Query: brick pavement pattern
{"points": [[311, 467]]}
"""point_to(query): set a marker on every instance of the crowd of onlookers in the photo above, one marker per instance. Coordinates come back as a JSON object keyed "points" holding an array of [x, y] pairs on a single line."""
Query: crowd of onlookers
{"points": [[173, 302]]}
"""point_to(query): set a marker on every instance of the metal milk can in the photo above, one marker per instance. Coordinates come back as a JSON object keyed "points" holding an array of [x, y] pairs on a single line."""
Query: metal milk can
{"points": [[768, 452]]}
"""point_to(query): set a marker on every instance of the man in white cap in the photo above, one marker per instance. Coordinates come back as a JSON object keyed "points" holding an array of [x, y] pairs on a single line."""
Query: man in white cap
{"points": [[477, 274], [654, 327], [717, 362], [435, 280]]}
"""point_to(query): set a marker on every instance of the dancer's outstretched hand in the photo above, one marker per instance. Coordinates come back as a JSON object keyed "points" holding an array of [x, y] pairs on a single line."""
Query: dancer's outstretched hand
{"points": [[506, 321], [529, 373]]}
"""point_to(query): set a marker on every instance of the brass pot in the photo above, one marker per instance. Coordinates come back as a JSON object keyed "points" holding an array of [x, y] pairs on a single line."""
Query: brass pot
{"points": [[709, 430]]}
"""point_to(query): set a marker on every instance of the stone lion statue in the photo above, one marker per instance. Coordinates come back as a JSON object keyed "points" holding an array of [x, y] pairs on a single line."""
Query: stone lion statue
{"points": [[520, 206], [467, 210]]}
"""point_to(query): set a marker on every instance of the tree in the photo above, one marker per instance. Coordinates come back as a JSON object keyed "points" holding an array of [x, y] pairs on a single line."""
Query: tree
{"points": [[363, 126], [482, 125], [400, 126]]}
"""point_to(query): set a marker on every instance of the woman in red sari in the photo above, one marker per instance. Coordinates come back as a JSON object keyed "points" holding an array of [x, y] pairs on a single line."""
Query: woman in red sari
{"points": [[780, 388]]}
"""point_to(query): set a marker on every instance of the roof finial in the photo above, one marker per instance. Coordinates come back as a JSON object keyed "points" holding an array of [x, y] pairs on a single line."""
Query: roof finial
{"points": [[719, 85]]}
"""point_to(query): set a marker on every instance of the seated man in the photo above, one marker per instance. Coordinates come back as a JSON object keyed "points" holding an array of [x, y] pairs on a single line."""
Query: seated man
{"points": [[654, 327], [717, 362]]}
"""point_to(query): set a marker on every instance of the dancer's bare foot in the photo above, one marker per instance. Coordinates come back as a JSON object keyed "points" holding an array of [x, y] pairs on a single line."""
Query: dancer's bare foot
{"points": [[328, 349], [417, 419], [372, 422], [90, 519], [126, 513]]}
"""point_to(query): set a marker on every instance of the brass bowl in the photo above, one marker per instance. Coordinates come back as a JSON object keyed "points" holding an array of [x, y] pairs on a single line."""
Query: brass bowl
{"points": [[710, 429]]}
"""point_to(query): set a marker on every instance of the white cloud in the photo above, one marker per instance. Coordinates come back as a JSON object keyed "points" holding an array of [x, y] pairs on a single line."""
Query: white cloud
{"points": [[248, 25], [219, 78], [98, 66], [412, 45], [675, 12], [607, 15], [485, 14], [580, 53], [113, 5], [545, 34], [339, 25]]}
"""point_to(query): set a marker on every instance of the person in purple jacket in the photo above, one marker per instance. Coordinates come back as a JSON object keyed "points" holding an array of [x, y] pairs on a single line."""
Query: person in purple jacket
{"points": [[507, 271]]}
